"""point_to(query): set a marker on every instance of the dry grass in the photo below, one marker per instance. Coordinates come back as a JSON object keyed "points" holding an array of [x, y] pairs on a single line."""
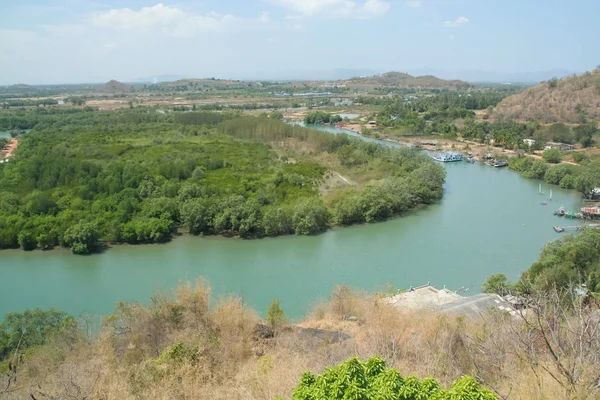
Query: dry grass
{"points": [[573, 100], [184, 347]]}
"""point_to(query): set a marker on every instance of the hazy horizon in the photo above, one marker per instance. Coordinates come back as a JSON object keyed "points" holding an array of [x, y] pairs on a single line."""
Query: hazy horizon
{"points": [[81, 41]]}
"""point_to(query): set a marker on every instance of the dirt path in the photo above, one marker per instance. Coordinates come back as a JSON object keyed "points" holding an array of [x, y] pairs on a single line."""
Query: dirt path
{"points": [[9, 150], [334, 180]]}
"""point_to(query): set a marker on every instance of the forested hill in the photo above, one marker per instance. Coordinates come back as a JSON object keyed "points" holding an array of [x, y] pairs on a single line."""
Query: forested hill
{"points": [[575, 99], [82, 178], [402, 80]]}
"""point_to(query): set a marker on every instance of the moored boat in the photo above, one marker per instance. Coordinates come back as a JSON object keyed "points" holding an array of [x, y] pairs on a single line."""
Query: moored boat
{"points": [[448, 156], [558, 229]]}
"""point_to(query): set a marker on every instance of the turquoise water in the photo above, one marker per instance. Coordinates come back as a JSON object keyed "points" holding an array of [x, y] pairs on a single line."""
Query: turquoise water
{"points": [[489, 221]]}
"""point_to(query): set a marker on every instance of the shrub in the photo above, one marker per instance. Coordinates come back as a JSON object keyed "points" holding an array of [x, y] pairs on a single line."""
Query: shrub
{"points": [[309, 218], [552, 156], [579, 157], [373, 380], [31, 328], [496, 283], [275, 314]]}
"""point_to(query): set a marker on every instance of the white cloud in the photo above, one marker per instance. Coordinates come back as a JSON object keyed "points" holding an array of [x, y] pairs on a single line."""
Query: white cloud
{"points": [[164, 20], [413, 3], [336, 8], [263, 18], [458, 22]]}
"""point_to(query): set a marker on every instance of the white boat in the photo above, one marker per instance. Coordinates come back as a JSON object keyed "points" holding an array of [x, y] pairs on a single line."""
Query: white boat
{"points": [[448, 156]]}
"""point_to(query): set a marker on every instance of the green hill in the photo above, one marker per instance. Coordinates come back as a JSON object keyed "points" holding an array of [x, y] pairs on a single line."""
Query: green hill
{"points": [[402, 80]]}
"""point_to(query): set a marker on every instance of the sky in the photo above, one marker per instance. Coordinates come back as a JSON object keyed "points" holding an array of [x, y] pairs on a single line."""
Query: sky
{"points": [[74, 41]]}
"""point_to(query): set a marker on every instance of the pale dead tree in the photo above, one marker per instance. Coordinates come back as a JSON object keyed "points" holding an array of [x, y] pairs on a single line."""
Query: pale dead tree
{"points": [[557, 335], [73, 381], [11, 376]]}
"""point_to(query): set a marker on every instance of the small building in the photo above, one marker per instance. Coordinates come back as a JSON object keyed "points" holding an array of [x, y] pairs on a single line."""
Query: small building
{"points": [[559, 146], [529, 142]]}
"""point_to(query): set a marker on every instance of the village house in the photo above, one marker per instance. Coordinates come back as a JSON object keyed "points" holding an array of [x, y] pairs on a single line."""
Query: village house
{"points": [[529, 142], [559, 146]]}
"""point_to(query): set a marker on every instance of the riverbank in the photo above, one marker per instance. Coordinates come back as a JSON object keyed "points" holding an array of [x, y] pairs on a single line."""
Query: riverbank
{"points": [[188, 341], [447, 243]]}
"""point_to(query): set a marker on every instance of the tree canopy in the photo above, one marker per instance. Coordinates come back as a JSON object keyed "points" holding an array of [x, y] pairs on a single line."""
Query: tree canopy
{"points": [[31, 328], [372, 379], [84, 178]]}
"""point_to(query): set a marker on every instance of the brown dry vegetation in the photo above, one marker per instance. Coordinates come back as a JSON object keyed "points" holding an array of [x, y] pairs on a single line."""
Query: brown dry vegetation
{"points": [[570, 100], [185, 348], [402, 80]]}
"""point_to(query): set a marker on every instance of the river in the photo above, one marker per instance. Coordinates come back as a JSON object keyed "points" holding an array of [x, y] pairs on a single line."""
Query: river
{"points": [[489, 221]]}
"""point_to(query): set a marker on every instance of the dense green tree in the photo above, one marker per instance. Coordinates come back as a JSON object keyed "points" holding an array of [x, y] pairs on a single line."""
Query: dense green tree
{"points": [[27, 240], [571, 260], [496, 283], [552, 156], [277, 221], [584, 133], [275, 314], [197, 216], [555, 174], [373, 380], [310, 217], [31, 328], [82, 238], [560, 132], [276, 115], [138, 175], [579, 157], [588, 180]]}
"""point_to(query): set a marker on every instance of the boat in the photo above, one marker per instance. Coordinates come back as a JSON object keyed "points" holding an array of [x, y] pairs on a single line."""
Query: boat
{"points": [[558, 229], [447, 156], [470, 160], [500, 163]]}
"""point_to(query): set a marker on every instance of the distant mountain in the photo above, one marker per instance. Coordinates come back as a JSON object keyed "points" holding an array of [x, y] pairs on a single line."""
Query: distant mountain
{"points": [[159, 78], [487, 76], [403, 80], [114, 86], [20, 86], [570, 100]]}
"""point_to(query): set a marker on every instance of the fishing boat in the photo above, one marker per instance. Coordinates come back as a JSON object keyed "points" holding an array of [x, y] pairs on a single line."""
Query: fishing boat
{"points": [[500, 163], [558, 229], [447, 156]]}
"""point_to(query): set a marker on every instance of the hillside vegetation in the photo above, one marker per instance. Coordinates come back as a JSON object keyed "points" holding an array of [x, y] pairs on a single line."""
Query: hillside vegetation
{"points": [[402, 80], [115, 86], [575, 99], [84, 178], [189, 346]]}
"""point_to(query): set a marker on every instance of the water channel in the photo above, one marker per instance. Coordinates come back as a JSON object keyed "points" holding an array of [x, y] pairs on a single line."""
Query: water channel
{"points": [[489, 221]]}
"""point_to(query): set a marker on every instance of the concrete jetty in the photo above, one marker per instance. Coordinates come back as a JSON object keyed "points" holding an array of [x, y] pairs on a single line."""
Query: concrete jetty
{"points": [[449, 302]]}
